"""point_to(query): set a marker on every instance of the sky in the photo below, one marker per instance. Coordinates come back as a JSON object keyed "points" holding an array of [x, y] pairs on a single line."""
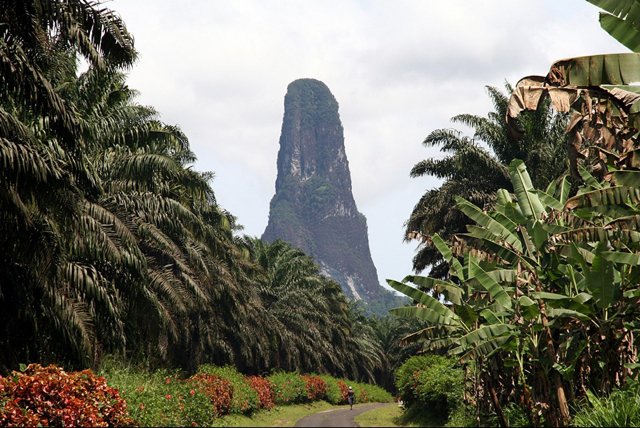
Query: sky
{"points": [[399, 69]]}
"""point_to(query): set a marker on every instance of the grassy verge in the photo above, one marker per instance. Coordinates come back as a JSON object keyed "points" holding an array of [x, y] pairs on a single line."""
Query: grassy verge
{"points": [[394, 416], [285, 416]]}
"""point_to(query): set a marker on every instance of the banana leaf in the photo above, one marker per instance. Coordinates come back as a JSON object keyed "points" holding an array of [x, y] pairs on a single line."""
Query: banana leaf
{"points": [[502, 197], [566, 313], [631, 259], [528, 201], [559, 189], [622, 22], [588, 178], [495, 290], [504, 275], [453, 292], [545, 295], [627, 178], [425, 314], [549, 200], [599, 280], [444, 249], [597, 234], [483, 219], [596, 70], [540, 235], [441, 314], [485, 339], [617, 195]]}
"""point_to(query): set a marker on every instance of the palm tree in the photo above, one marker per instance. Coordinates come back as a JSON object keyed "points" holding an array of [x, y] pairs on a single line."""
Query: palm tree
{"points": [[317, 330], [477, 167], [184, 280], [43, 169]]}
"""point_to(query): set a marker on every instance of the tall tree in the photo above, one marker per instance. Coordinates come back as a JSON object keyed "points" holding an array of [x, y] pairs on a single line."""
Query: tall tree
{"points": [[476, 167]]}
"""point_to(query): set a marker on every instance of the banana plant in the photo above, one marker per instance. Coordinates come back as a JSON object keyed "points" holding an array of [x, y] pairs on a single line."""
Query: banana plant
{"points": [[536, 283]]}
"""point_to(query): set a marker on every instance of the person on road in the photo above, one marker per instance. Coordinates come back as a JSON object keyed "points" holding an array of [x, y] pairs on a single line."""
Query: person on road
{"points": [[351, 397]]}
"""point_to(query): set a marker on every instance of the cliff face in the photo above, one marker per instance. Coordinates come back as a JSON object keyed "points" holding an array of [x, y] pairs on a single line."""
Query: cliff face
{"points": [[313, 207]]}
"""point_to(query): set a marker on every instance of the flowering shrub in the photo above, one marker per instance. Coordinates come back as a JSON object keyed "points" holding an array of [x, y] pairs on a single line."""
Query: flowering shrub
{"points": [[161, 398], [264, 389], [50, 396], [244, 398], [315, 386], [288, 388], [344, 391], [218, 390]]}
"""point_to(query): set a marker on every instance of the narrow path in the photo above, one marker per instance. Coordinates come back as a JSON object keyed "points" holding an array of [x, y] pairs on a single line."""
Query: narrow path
{"points": [[339, 417]]}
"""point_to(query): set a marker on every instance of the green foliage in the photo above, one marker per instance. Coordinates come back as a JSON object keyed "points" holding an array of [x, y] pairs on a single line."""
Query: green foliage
{"points": [[621, 408], [121, 243], [336, 392], [333, 391], [126, 396], [312, 319], [368, 393], [433, 381], [621, 22]]}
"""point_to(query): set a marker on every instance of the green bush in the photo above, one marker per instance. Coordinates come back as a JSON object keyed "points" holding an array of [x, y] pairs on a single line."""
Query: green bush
{"points": [[367, 393], [288, 388], [333, 392], [244, 399], [620, 409], [433, 381]]}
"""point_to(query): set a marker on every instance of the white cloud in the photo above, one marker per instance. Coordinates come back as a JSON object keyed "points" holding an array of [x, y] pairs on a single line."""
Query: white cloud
{"points": [[399, 69]]}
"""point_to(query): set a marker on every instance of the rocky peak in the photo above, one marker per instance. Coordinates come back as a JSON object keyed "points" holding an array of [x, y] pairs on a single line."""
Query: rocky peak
{"points": [[313, 207]]}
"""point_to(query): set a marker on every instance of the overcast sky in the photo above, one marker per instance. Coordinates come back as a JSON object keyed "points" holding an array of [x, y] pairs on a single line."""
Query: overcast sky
{"points": [[399, 69]]}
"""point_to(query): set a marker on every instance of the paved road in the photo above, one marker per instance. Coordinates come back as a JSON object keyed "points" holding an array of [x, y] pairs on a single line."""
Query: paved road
{"points": [[339, 417]]}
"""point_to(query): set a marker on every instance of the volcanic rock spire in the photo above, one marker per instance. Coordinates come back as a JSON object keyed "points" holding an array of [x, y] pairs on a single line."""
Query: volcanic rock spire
{"points": [[313, 207]]}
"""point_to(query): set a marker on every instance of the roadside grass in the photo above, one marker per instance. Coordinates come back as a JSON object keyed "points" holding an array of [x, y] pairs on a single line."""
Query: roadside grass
{"points": [[285, 416], [394, 416]]}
